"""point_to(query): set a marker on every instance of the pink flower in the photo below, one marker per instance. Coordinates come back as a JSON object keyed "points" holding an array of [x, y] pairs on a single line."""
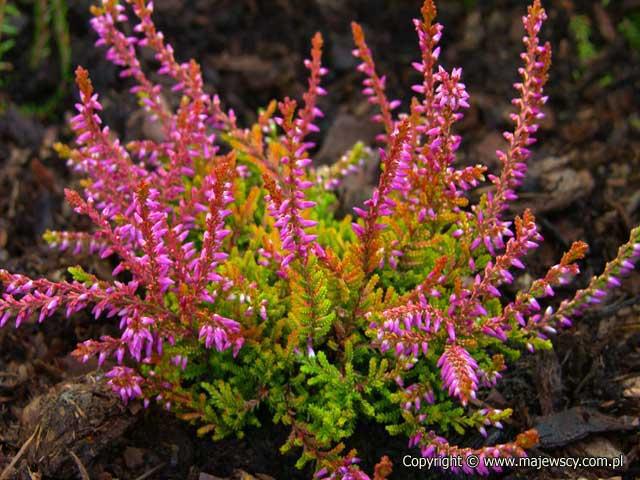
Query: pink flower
{"points": [[458, 371], [125, 382], [220, 332]]}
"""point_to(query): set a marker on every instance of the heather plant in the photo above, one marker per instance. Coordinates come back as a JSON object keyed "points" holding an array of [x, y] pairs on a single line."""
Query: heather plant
{"points": [[239, 291]]}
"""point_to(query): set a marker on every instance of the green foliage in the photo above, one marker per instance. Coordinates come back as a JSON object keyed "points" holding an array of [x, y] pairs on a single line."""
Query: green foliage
{"points": [[580, 27], [80, 275], [50, 38], [629, 27]]}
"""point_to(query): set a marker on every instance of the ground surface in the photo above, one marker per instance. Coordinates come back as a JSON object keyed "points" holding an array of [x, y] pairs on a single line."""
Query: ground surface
{"points": [[584, 184]]}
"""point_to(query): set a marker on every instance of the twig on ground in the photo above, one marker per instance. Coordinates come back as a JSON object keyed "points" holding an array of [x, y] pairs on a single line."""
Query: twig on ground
{"points": [[9, 468], [83, 471], [148, 473]]}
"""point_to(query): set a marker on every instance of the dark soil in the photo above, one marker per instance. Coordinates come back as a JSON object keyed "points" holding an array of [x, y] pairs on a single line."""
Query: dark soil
{"points": [[584, 184]]}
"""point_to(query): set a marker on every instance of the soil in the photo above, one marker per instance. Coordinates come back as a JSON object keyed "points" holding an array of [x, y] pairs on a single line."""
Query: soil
{"points": [[584, 184]]}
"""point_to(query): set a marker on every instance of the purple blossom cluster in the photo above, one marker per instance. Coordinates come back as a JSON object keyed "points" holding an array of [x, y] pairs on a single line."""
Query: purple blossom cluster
{"points": [[288, 204], [142, 216], [407, 330], [534, 74], [458, 370], [125, 382], [215, 333]]}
